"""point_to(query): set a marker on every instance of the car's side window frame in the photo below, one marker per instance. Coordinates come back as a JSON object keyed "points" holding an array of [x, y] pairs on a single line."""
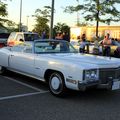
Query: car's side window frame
{"points": [[17, 48], [19, 37]]}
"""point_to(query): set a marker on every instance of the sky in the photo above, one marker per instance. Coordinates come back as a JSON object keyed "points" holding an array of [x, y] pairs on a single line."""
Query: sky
{"points": [[29, 7]]}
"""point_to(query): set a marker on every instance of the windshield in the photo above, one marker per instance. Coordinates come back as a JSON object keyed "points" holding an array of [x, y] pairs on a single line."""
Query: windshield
{"points": [[31, 37], [4, 35], [54, 47]]}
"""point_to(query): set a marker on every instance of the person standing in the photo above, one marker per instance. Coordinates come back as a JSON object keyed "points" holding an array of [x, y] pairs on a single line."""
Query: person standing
{"points": [[82, 44], [106, 45], [43, 35], [59, 36], [66, 36]]}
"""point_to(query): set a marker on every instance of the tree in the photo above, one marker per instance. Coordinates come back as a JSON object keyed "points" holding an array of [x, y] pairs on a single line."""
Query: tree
{"points": [[82, 24], [3, 13], [5, 23], [61, 28], [12, 27], [42, 18], [98, 10]]}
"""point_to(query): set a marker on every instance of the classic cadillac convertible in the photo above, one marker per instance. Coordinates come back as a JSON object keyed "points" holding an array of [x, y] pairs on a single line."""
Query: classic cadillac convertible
{"points": [[61, 66]]}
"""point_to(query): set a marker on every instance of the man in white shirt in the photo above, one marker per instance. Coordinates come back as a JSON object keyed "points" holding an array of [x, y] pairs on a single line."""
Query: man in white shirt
{"points": [[106, 45]]}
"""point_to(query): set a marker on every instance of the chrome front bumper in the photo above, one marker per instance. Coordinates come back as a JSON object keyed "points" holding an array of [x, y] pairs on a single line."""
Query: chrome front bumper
{"points": [[109, 78], [97, 84]]}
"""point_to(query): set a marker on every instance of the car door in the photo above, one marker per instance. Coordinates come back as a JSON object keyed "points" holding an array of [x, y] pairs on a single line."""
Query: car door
{"points": [[14, 57], [40, 59], [22, 60]]}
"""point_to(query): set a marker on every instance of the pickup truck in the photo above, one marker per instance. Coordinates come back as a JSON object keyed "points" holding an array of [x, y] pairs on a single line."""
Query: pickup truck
{"points": [[18, 37], [3, 39]]}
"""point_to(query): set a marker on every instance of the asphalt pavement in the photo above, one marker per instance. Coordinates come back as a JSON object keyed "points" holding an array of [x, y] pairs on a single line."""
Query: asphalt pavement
{"points": [[23, 98]]}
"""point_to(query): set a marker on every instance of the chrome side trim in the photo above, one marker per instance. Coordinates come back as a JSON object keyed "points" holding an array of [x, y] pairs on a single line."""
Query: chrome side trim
{"points": [[26, 74]]}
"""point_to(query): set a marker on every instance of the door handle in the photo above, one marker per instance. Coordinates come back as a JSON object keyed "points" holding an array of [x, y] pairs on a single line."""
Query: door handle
{"points": [[11, 55], [37, 67]]}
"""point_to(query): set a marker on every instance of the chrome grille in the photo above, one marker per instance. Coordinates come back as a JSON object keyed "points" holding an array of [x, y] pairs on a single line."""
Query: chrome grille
{"points": [[106, 74]]}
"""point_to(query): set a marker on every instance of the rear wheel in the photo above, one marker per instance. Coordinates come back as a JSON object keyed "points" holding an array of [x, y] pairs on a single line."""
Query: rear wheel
{"points": [[56, 84], [2, 70]]}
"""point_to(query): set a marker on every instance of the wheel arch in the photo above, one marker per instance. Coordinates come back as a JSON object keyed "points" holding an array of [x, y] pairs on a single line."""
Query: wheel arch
{"points": [[48, 72]]}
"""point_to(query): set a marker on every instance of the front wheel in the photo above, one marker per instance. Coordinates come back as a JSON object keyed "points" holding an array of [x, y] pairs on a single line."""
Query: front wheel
{"points": [[56, 84], [2, 70]]}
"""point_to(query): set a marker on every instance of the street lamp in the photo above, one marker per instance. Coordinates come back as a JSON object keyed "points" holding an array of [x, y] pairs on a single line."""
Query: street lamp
{"points": [[27, 22], [78, 20], [52, 19], [20, 24]]}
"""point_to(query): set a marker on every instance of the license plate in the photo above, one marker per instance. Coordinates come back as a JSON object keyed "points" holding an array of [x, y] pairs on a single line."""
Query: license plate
{"points": [[116, 85]]}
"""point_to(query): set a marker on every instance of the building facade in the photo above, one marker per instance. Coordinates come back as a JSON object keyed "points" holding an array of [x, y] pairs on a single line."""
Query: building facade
{"points": [[90, 32]]}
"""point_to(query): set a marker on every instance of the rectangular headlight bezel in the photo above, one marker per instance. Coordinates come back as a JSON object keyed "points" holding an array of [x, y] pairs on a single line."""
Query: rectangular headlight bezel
{"points": [[91, 75]]}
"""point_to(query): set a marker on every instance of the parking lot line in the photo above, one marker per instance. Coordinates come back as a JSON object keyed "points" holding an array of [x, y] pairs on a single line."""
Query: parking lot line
{"points": [[22, 95], [24, 84]]}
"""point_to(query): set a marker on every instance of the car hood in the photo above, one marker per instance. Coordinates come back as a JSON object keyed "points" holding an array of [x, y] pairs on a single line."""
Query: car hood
{"points": [[87, 59]]}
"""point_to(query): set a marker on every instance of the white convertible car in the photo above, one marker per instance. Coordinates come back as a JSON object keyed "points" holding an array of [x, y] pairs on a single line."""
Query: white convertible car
{"points": [[61, 66]]}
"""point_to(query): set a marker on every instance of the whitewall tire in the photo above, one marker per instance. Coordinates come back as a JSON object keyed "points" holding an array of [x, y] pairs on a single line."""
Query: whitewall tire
{"points": [[56, 84]]}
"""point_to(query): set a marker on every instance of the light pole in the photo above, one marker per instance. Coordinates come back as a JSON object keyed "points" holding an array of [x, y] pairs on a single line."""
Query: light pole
{"points": [[20, 24], [52, 19], [78, 20], [27, 22]]}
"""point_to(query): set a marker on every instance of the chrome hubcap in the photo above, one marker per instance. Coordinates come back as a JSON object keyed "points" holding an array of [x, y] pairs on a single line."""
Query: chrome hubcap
{"points": [[55, 83]]}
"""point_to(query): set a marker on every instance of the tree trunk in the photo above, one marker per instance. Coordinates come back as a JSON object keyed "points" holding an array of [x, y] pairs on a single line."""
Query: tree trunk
{"points": [[97, 18], [52, 19], [97, 25]]}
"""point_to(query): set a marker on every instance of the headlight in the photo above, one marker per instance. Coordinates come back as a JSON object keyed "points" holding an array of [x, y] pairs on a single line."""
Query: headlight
{"points": [[90, 75]]}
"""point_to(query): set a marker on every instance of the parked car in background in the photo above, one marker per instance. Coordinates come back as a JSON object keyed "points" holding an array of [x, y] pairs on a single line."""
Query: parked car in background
{"points": [[18, 37], [88, 47], [114, 46], [3, 39], [76, 44], [61, 66]]}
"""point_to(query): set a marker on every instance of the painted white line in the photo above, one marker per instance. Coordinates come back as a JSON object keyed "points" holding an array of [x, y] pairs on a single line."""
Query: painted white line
{"points": [[24, 84], [22, 95]]}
